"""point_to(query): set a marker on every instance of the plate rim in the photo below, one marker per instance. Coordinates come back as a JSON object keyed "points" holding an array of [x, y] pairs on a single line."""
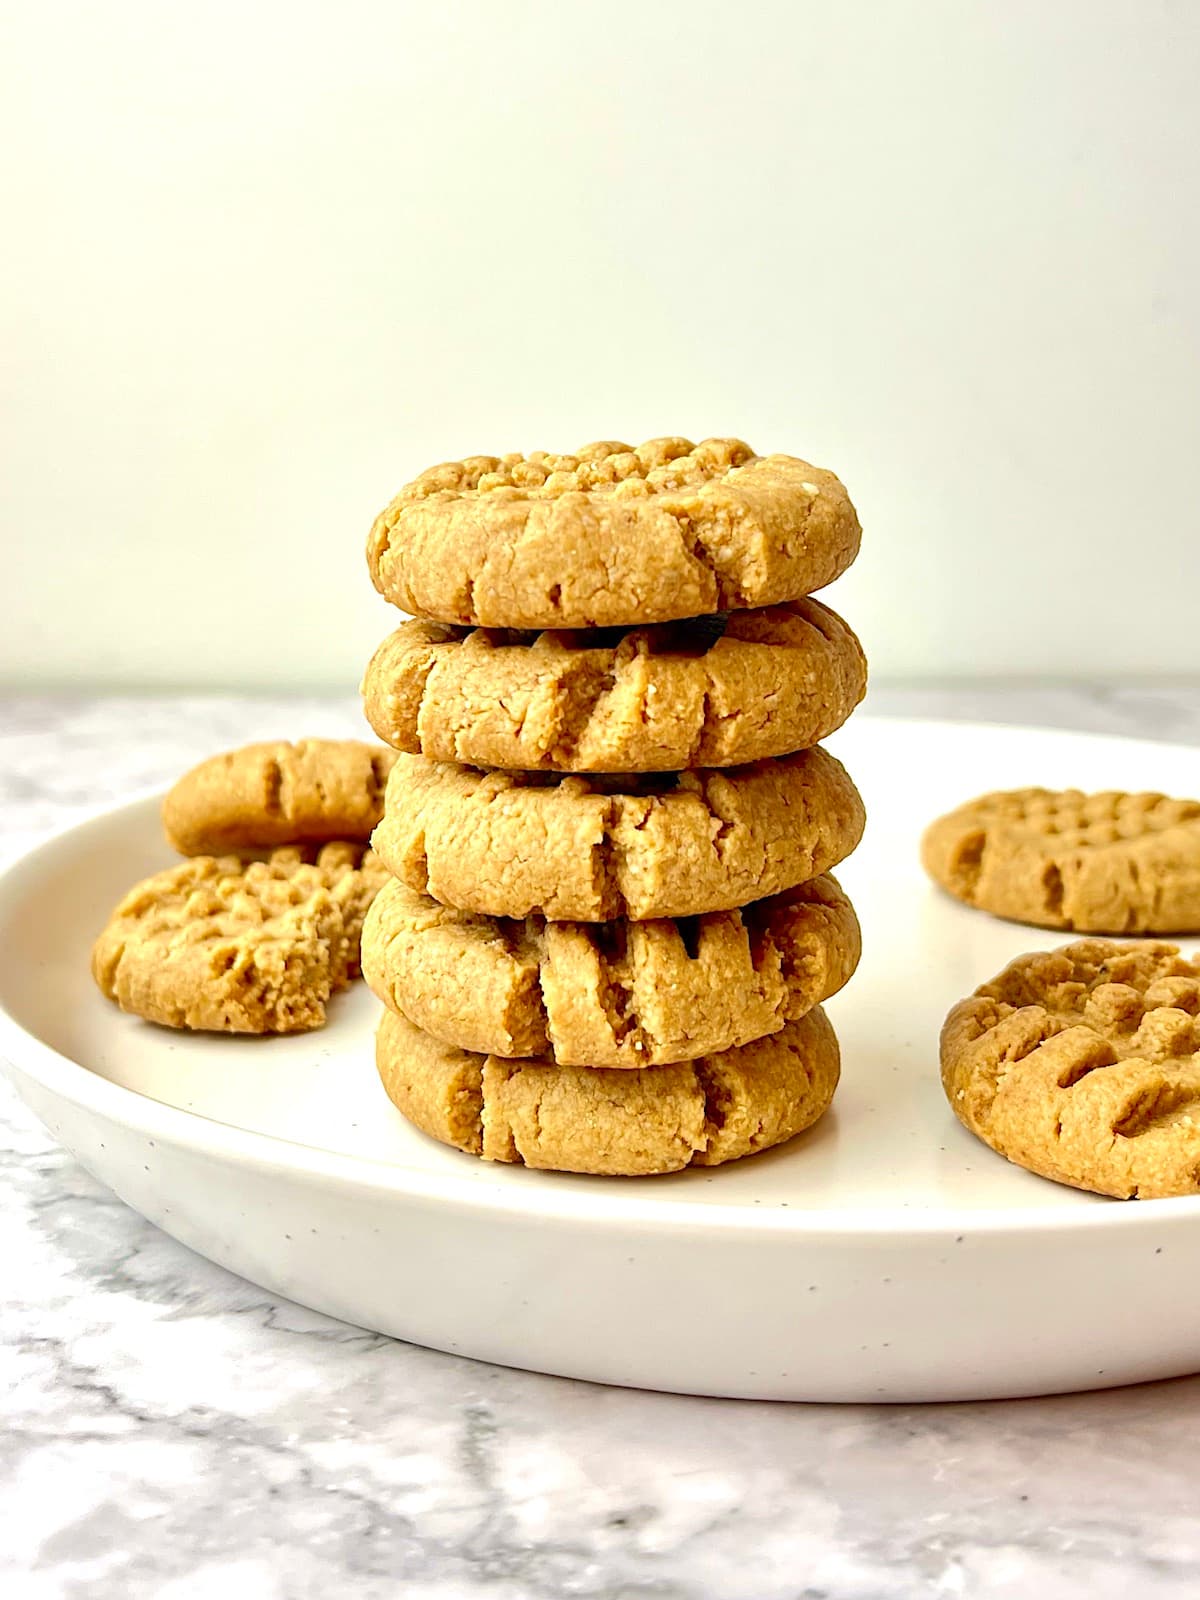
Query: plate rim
{"points": [[24, 1056]]}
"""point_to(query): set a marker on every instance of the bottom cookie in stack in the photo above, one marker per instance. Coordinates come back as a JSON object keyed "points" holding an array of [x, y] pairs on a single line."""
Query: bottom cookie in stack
{"points": [[612, 1121]]}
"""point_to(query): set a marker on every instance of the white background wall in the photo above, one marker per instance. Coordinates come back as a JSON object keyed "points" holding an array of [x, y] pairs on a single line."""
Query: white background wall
{"points": [[263, 262]]}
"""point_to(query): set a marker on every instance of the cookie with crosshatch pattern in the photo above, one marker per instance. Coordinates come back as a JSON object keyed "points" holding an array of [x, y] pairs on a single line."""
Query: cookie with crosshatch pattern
{"points": [[1081, 1064], [220, 944], [611, 535], [1111, 862]]}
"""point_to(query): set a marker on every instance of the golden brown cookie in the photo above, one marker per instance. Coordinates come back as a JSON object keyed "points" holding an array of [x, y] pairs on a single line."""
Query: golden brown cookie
{"points": [[593, 1119], [710, 692], [610, 994], [271, 794], [1098, 863], [611, 536], [510, 844], [353, 875], [1081, 1064], [221, 944]]}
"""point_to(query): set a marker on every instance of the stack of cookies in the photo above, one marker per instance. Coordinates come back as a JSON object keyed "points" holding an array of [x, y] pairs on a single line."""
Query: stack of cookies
{"points": [[610, 923]]}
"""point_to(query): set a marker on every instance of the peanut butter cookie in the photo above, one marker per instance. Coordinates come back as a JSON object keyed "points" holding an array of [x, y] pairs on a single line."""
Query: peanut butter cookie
{"points": [[710, 692], [265, 795], [1081, 1064], [611, 535], [592, 1119], [610, 994], [1098, 863], [510, 844], [353, 874], [221, 944]]}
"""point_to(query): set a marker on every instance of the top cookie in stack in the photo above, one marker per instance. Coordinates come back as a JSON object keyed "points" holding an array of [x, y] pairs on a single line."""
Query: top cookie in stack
{"points": [[605, 973], [611, 536]]}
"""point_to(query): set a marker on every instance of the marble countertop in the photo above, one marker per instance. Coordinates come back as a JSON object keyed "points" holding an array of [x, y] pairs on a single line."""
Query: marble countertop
{"points": [[171, 1431]]}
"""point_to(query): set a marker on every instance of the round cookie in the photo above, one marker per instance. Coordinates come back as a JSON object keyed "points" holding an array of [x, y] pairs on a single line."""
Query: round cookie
{"points": [[221, 944], [1081, 1064], [611, 536], [1099, 863], [592, 1119], [265, 795], [573, 849], [610, 994], [709, 692]]}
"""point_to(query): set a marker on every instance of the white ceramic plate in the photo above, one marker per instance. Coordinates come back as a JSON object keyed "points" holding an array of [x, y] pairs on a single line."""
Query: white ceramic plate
{"points": [[884, 1256]]}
